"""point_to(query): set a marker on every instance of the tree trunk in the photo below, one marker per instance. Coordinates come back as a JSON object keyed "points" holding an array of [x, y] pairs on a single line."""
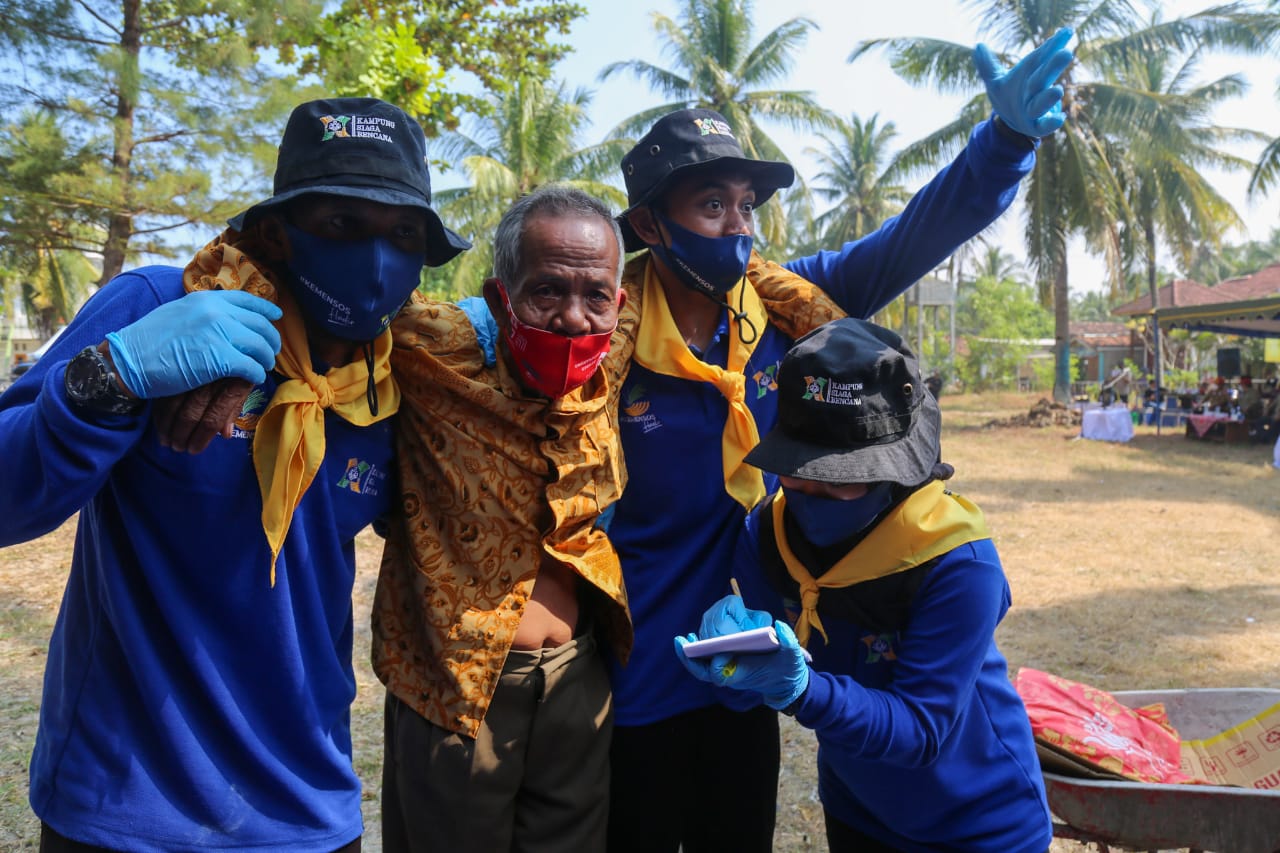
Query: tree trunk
{"points": [[1061, 335], [120, 224], [1156, 348]]}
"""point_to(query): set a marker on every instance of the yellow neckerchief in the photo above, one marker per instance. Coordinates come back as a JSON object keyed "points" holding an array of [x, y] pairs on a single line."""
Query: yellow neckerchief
{"points": [[928, 524], [289, 443], [661, 348]]}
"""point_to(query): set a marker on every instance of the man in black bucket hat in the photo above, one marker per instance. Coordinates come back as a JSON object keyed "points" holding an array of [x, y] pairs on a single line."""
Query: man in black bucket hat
{"points": [[199, 682], [923, 741], [715, 322]]}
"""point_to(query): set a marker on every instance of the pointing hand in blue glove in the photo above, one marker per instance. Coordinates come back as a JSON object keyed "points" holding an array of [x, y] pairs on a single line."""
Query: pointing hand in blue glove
{"points": [[1025, 97], [192, 341]]}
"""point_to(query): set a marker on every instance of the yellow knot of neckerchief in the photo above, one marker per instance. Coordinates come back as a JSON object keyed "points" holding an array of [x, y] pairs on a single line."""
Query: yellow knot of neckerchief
{"points": [[929, 523], [289, 442], [661, 348]]}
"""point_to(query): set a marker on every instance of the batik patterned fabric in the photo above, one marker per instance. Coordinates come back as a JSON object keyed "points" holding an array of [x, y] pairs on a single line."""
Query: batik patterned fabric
{"points": [[494, 483]]}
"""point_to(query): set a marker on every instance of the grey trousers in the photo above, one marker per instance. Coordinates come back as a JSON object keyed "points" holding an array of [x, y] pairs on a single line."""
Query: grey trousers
{"points": [[535, 779]]}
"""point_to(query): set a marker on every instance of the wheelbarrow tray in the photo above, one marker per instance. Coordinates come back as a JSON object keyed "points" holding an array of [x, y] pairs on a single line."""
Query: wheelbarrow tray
{"points": [[1153, 816]]}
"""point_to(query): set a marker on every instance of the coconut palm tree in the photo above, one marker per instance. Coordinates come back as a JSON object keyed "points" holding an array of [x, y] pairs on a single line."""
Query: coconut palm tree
{"points": [[855, 175], [716, 66], [1077, 187], [1168, 197], [530, 139], [1267, 172]]}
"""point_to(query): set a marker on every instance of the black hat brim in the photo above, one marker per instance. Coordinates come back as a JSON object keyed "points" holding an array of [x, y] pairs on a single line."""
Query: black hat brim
{"points": [[909, 460], [443, 244], [767, 177]]}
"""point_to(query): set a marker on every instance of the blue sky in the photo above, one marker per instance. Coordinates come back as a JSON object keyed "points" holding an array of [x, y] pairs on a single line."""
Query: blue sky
{"points": [[618, 30]]}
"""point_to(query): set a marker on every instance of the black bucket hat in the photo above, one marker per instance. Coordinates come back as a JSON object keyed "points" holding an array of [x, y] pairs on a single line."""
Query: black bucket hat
{"points": [[852, 409], [359, 148], [683, 139]]}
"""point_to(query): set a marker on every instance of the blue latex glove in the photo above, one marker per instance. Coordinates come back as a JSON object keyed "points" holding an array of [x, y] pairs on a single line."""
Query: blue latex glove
{"points": [[1025, 96], [729, 616], [189, 342], [779, 676]]}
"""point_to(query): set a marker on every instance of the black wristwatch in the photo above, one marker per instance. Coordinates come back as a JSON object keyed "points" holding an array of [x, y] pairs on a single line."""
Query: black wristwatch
{"points": [[92, 385]]}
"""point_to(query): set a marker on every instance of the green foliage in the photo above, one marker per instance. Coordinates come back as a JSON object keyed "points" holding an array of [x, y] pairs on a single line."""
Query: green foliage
{"points": [[1001, 319], [1212, 264], [852, 178], [151, 116], [1091, 306], [529, 136], [409, 52], [1113, 129], [716, 66]]}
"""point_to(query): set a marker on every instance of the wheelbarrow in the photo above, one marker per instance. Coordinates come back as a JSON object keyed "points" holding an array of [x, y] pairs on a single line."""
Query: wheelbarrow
{"points": [[1147, 816]]}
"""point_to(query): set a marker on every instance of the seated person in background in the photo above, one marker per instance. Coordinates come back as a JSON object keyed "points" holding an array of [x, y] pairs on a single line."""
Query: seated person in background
{"points": [[923, 742], [1216, 399], [1267, 426], [1250, 399]]}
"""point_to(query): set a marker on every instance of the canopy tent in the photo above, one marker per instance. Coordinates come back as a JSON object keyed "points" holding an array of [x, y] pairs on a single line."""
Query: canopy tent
{"points": [[1255, 318]]}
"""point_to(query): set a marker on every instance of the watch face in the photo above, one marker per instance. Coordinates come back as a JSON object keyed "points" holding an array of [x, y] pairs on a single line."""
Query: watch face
{"points": [[86, 376], [91, 384]]}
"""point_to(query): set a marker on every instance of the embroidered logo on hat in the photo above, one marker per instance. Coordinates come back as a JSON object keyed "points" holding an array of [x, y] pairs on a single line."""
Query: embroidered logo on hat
{"points": [[828, 390], [334, 126], [813, 388], [361, 127], [711, 125]]}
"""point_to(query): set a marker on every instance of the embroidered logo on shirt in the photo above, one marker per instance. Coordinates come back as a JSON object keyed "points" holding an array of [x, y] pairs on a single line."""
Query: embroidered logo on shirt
{"points": [[766, 380], [879, 647], [246, 423], [636, 410], [361, 477]]}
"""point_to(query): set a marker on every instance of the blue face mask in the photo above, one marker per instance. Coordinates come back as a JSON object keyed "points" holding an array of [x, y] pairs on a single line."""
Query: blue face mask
{"points": [[351, 289], [710, 265], [825, 521]]}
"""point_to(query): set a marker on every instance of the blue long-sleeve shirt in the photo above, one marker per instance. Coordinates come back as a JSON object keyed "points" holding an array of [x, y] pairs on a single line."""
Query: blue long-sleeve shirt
{"points": [[923, 743], [675, 526], [188, 704]]}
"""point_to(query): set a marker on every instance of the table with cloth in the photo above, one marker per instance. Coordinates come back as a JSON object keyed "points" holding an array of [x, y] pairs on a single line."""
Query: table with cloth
{"points": [[1111, 423], [1216, 426]]}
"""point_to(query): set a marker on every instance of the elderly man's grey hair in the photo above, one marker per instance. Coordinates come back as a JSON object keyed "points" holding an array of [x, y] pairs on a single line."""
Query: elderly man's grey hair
{"points": [[547, 200]]}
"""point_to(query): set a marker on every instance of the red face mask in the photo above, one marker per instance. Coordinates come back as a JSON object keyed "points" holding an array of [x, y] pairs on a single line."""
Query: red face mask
{"points": [[550, 363]]}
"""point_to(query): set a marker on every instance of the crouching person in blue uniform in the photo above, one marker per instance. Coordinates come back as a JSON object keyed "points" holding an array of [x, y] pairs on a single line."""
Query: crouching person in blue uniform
{"points": [[895, 588], [199, 682]]}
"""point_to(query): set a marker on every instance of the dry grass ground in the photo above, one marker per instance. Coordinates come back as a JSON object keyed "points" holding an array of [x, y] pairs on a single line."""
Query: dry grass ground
{"points": [[1151, 564]]}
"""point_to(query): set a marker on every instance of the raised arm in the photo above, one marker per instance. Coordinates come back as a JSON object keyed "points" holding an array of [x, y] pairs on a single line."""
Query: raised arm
{"points": [[961, 200]]}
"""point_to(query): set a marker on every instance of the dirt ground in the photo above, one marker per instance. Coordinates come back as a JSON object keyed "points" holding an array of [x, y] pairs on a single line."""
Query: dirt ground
{"points": [[1152, 564]]}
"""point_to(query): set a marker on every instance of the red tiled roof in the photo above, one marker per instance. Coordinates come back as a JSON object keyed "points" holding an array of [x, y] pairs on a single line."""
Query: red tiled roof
{"points": [[1101, 333], [1179, 292], [1265, 282]]}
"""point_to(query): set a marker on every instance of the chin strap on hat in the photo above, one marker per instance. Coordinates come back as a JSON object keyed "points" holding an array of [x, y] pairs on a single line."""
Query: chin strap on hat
{"points": [[741, 318], [371, 390]]}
